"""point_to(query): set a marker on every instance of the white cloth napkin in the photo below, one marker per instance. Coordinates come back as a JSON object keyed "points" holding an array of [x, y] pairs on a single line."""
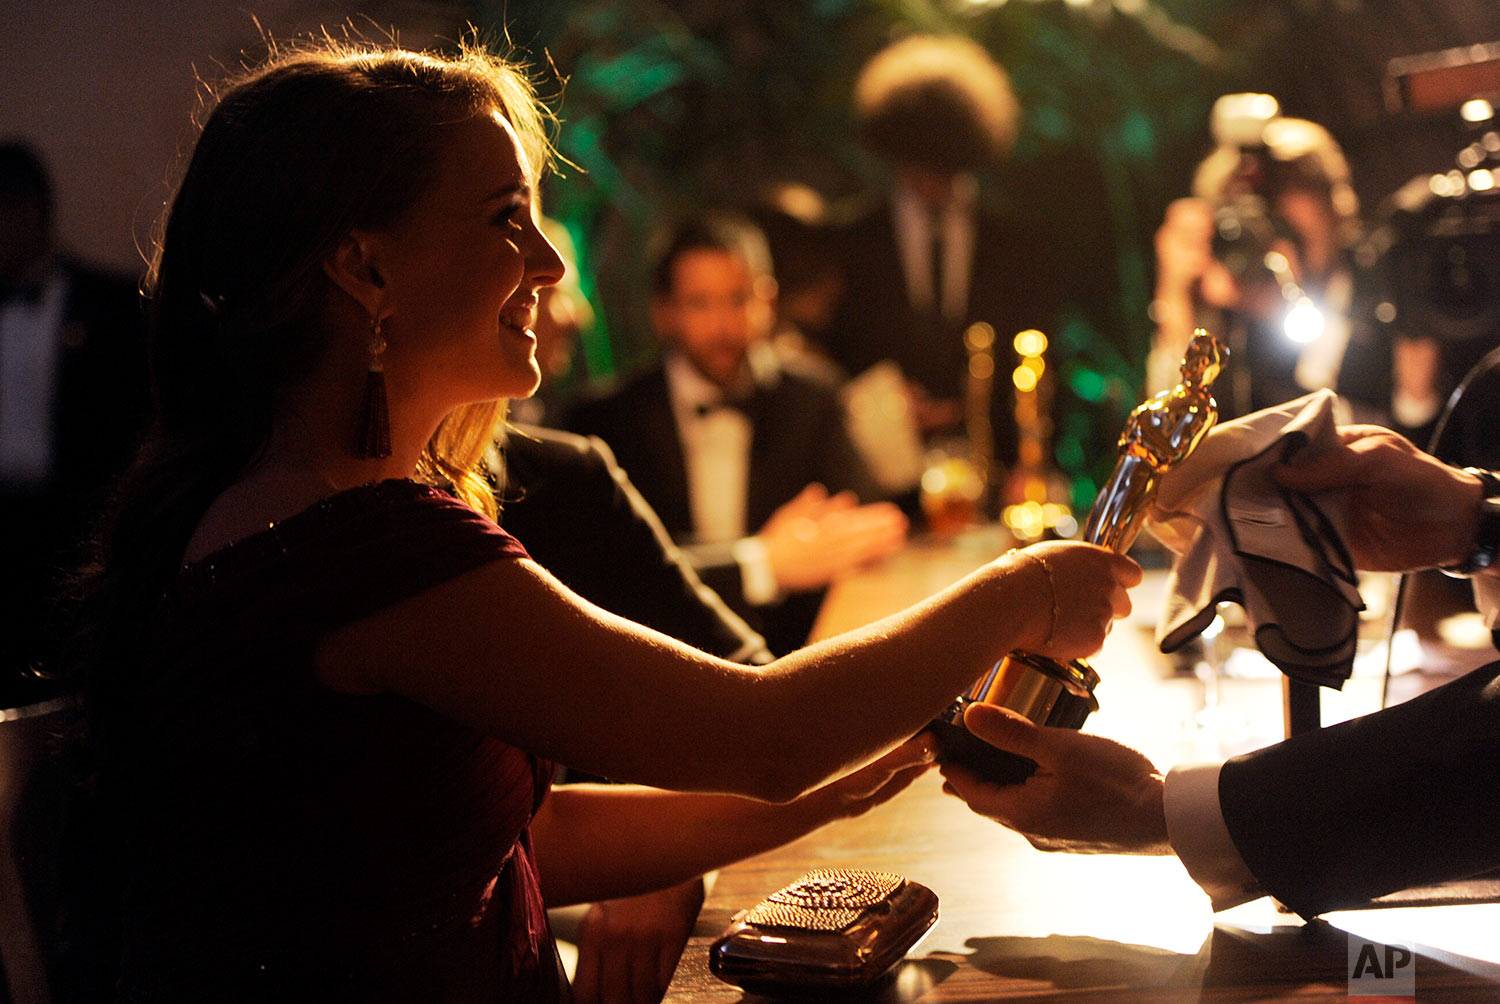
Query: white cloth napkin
{"points": [[1280, 554]]}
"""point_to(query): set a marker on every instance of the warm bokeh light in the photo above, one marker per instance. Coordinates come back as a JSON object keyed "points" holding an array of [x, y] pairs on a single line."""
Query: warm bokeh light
{"points": [[1033, 519], [1477, 110], [1025, 520], [1024, 379], [1030, 342], [979, 336]]}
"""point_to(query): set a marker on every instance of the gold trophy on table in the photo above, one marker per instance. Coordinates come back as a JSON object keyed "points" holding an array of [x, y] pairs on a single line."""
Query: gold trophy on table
{"points": [[1159, 434]]}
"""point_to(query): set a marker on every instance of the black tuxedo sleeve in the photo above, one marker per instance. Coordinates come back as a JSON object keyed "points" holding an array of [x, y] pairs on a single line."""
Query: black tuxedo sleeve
{"points": [[715, 565], [580, 517], [845, 469], [1404, 797]]}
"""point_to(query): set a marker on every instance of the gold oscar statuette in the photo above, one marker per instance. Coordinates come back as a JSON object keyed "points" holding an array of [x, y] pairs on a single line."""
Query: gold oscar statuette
{"points": [[1159, 434]]}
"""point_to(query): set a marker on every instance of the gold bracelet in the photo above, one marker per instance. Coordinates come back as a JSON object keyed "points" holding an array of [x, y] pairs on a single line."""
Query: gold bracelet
{"points": [[1056, 610], [1051, 588]]}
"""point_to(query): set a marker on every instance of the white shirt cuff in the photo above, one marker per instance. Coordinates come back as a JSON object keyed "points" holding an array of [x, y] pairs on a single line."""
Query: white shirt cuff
{"points": [[1196, 831], [757, 579]]}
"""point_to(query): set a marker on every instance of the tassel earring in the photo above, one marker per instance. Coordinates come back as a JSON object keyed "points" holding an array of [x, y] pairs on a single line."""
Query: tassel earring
{"points": [[374, 441]]}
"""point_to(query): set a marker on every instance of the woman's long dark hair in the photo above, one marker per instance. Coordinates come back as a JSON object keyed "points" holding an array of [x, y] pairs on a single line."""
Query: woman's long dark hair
{"points": [[293, 156]]}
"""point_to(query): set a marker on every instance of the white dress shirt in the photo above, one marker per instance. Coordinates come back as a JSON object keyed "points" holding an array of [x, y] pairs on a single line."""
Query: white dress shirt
{"points": [[716, 452], [29, 353], [914, 235]]}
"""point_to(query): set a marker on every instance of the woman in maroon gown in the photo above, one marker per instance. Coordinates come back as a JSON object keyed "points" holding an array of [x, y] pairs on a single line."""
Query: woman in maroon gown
{"points": [[326, 688]]}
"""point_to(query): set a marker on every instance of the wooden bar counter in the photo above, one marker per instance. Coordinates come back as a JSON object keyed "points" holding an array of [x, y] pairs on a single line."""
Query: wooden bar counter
{"points": [[1019, 924]]}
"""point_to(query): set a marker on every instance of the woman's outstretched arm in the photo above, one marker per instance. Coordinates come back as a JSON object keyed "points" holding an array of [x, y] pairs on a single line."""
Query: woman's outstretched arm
{"points": [[603, 841], [508, 649]]}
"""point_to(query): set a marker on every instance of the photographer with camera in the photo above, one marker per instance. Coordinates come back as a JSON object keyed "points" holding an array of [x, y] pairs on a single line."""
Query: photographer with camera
{"points": [[1261, 255]]}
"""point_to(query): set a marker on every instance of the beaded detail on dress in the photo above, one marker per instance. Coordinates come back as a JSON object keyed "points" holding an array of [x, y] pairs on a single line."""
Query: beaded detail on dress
{"points": [[282, 534]]}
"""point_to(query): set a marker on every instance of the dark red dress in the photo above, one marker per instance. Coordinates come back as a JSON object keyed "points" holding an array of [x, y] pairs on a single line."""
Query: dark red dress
{"points": [[288, 842]]}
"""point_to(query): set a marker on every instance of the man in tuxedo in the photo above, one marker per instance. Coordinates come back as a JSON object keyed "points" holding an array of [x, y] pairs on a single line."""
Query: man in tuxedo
{"points": [[566, 498], [73, 396], [1332, 818], [928, 258], [724, 434]]}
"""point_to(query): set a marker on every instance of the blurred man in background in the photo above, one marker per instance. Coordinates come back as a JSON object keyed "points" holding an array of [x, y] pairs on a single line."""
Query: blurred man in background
{"points": [[73, 396], [724, 435], [928, 257]]}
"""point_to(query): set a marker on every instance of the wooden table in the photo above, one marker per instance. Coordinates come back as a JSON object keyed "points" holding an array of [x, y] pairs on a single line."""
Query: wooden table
{"points": [[1018, 924]]}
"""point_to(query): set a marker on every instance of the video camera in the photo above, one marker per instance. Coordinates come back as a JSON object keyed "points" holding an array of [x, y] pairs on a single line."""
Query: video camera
{"points": [[1440, 233], [1443, 262]]}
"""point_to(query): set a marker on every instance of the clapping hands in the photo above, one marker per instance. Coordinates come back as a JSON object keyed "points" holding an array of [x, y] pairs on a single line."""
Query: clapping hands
{"points": [[816, 537]]}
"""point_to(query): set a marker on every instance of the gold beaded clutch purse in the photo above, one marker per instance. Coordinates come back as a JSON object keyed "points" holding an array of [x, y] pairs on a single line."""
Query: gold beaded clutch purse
{"points": [[832, 929]]}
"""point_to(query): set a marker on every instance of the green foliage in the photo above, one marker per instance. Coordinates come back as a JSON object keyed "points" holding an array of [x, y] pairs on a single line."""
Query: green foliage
{"points": [[669, 107]]}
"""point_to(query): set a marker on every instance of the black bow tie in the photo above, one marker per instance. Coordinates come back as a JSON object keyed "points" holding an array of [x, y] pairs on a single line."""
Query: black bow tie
{"points": [[739, 404]]}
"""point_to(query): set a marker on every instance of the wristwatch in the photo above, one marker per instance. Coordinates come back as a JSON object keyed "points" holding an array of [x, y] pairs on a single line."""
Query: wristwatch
{"points": [[1487, 539]]}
